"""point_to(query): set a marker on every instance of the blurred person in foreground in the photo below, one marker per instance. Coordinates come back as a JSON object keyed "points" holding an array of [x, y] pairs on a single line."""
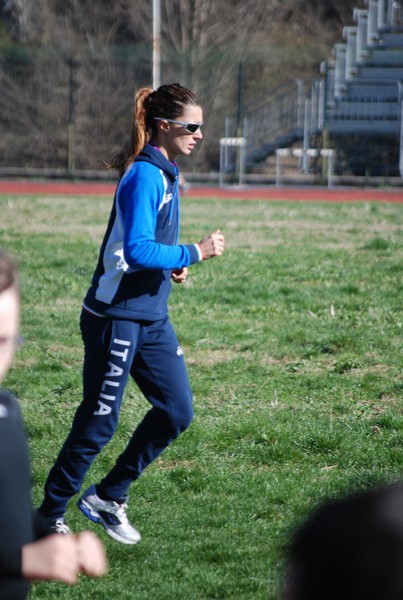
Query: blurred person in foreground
{"points": [[350, 549], [27, 550], [125, 324]]}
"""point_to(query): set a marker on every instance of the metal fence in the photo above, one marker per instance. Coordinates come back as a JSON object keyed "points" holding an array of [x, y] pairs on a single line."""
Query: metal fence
{"points": [[62, 112], [71, 113]]}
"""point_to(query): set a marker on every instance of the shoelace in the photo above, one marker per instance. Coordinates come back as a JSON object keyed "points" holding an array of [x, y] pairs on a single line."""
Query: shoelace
{"points": [[61, 527], [121, 512]]}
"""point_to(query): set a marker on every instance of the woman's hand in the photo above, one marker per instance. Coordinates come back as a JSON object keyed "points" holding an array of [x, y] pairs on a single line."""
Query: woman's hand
{"points": [[212, 245], [180, 275]]}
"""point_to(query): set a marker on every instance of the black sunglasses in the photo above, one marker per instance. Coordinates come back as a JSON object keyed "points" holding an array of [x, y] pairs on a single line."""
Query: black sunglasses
{"points": [[189, 127]]}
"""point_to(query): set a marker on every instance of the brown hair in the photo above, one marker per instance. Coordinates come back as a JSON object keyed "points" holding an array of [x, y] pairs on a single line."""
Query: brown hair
{"points": [[8, 272], [169, 101]]}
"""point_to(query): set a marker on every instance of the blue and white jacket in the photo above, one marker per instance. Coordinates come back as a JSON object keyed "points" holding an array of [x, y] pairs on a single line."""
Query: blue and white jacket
{"points": [[132, 279]]}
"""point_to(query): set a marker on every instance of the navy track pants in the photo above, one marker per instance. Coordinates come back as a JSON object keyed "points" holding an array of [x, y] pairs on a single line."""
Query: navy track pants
{"points": [[115, 349]]}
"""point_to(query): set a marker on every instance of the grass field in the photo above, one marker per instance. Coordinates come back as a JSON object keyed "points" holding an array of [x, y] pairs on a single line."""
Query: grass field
{"points": [[293, 340]]}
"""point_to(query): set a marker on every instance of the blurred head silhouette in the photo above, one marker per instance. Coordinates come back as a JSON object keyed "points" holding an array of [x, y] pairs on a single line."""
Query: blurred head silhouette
{"points": [[350, 549]]}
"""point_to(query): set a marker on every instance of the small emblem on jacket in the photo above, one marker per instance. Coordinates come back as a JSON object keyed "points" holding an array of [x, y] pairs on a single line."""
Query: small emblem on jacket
{"points": [[167, 198], [179, 351]]}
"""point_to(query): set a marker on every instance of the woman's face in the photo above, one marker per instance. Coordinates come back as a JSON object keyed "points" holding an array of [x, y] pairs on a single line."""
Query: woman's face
{"points": [[173, 139], [9, 321]]}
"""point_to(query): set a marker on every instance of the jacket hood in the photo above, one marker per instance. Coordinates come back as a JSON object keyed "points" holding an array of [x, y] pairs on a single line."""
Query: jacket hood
{"points": [[154, 156]]}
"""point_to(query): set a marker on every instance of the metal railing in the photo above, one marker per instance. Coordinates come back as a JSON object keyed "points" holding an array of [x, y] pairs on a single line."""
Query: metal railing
{"points": [[277, 118], [390, 14]]}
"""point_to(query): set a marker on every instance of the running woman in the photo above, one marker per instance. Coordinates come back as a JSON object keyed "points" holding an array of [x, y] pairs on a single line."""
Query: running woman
{"points": [[124, 321]]}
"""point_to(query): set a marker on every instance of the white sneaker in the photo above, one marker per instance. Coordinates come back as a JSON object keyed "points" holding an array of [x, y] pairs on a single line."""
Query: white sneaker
{"points": [[59, 526], [111, 515]]}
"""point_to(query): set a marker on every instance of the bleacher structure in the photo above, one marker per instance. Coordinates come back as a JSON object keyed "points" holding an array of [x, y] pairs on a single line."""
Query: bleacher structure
{"points": [[355, 107]]}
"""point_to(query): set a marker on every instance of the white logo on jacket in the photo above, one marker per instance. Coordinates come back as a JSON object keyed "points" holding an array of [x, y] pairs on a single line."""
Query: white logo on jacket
{"points": [[166, 197]]}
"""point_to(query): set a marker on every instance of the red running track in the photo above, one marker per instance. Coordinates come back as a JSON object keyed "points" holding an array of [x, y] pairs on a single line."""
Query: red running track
{"points": [[63, 188]]}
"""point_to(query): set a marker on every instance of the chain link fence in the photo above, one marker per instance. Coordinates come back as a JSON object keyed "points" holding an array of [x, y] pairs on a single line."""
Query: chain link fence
{"points": [[72, 113]]}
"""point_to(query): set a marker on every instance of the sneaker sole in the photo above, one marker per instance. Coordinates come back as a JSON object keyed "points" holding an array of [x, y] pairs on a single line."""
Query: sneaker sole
{"points": [[94, 516]]}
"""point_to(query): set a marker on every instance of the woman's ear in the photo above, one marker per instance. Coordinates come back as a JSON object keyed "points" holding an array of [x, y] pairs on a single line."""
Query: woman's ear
{"points": [[163, 126]]}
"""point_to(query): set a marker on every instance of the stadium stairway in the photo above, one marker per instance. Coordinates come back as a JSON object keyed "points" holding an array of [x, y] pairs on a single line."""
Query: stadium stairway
{"points": [[357, 101]]}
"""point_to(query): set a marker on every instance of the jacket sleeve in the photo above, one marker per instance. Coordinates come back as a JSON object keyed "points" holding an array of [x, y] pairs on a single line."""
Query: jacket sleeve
{"points": [[10, 561], [11, 555], [138, 201], [15, 502]]}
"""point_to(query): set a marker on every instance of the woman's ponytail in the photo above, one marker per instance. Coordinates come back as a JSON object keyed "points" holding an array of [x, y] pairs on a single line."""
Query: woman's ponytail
{"points": [[140, 133]]}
